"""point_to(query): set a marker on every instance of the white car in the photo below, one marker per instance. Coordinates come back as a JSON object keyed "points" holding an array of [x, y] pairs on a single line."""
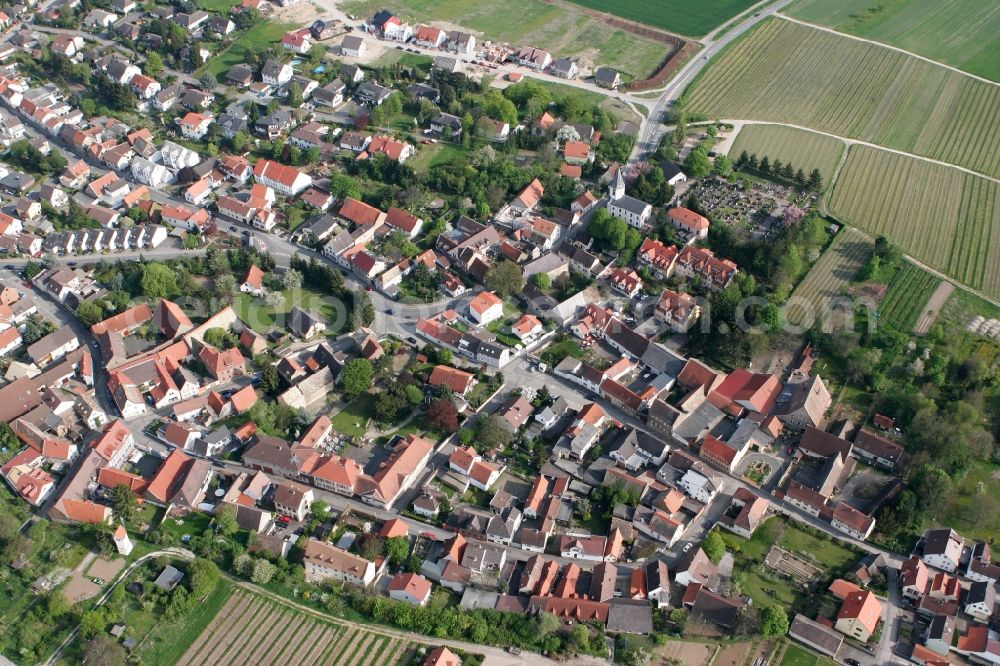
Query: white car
{"points": [[688, 547]]}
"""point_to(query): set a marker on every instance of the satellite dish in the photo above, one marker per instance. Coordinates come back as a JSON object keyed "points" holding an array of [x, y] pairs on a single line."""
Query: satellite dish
{"points": [[219, 492]]}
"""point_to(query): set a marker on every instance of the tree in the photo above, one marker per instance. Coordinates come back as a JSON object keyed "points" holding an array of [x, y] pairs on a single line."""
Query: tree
{"points": [[541, 280], [225, 519], [225, 285], [154, 64], [93, 623], [723, 166], [262, 572], [89, 313], [124, 505], [358, 376], [697, 164], [242, 564], [104, 652], [765, 166], [505, 278], [320, 509], [291, 280], [547, 623], [491, 434], [444, 415], [397, 549], [203, 576], [714, 546], [270, 379], [774, 621], [158, 281]]}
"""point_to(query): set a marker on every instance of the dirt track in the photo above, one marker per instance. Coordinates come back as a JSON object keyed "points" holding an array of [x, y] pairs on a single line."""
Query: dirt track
{"points": [[933, 307]]}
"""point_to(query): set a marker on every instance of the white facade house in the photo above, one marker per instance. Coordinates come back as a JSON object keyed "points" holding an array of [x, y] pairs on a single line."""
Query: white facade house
{"points": [[699, 487], [634, 212], [323, 561]]}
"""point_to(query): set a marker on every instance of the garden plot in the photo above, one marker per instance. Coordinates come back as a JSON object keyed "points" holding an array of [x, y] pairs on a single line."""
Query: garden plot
{"points": [[792, 565]]}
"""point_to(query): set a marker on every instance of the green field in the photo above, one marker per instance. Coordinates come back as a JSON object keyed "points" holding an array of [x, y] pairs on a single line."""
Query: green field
{"points": [[829, 276], [555, 28], [908, 293], [790, 73], [258, 38], [961, 33], [218, 6], [804, 149], [944, 218], [692, 19]]}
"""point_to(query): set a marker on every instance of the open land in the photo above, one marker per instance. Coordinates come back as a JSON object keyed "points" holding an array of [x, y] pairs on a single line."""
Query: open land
{"points": [[288, 636], [791, 73], [806, 150], [555, 28], [831, 274], [961, 33], [691, 19], [258, 37], [944, 218], [795, 655], [974, 509]]}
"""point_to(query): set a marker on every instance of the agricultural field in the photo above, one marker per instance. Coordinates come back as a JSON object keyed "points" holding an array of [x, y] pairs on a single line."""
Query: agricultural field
{"points": [[555, 28], [804, 149], [961, 33], [829, 276], [909, 291], [944, 218], [284, 634], [790, 73], [691, 19]]}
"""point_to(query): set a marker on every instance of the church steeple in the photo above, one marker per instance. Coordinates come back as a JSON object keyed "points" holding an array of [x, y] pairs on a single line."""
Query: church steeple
{"points": [[616, 189]]}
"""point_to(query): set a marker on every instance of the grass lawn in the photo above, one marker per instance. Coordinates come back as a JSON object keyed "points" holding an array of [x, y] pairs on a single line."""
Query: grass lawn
{"points": [[259, 37], [263, 317], [560, 350], [218, 6], [828, 552], [193, 524], [768, 592], [437, 154], [352, 419], [799, 656]]}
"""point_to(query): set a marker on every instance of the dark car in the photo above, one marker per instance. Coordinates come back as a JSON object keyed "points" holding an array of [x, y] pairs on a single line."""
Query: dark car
{"points": [[9, 267], [852, 662], [390, 311], [412, 340], [232, 227]]}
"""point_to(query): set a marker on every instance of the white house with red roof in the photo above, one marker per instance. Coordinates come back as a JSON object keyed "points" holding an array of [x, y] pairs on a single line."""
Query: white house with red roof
{"points": [[677, 310], [297, 41], [411, 588], [284, 179], [527, 328], [693, 226], [253, 283], [485, 307], [429, 36], [625, 281], [407, 222], [194, 126]]}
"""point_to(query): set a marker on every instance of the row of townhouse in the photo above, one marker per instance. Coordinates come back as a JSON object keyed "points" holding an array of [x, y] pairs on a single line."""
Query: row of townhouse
{"points": [[93, 241]]}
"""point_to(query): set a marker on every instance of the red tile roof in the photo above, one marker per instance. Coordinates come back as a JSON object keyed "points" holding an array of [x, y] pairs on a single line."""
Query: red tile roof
{"points": [[169, 476], [359, 212], [458, 381], [244, 399], [393, 528], [688, 218]]}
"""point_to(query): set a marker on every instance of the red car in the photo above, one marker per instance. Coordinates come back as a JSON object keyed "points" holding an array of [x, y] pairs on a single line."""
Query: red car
{"points": [[284, 520]]}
